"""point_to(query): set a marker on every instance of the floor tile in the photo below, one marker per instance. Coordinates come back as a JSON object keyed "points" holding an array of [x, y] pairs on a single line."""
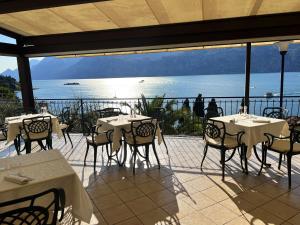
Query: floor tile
{"points": [[156, 216], [117, 214], [280, 209], [141, 205], [219, 214], [130, 194], [162, 197]]}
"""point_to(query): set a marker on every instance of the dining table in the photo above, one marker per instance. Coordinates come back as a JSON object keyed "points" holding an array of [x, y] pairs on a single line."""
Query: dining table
{"points": [[15, 123], [117, 123], [46, 169], [254, 128]]}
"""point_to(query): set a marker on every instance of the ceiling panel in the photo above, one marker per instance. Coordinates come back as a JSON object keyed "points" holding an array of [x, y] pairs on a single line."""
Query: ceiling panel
{"points": [[218, 9], [176, 11], [18, 25], [126, 13], [46, 21], [279, 6], [86, 17]]}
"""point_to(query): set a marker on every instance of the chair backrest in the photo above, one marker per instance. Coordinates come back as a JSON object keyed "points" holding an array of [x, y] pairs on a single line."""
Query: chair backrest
{"points": [[142, 131], [273, 112], [38, 209], [295, 134], [214, 112], [37, 127], [214, 130], [108, 112]]}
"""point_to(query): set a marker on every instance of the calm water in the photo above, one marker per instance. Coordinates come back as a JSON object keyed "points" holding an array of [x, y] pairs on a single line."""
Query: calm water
{"points": [[176, 86]]}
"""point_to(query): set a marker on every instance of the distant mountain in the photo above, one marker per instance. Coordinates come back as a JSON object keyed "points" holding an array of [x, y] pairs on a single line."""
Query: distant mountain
{"points": [[213, 61]]}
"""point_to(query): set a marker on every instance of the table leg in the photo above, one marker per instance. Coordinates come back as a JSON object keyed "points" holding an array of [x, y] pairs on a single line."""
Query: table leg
{"points": [[258, 158], [245, 148]]}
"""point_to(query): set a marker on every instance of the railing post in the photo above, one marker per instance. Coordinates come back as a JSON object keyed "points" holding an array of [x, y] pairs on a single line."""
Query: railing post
{"points": [[82, 117]]}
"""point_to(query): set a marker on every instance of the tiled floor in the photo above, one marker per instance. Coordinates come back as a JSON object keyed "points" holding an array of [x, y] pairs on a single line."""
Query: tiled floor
{"points": [[180, 193]]}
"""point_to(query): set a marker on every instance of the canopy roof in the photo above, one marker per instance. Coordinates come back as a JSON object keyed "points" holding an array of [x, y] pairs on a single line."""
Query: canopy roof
{"points": [[117, 14], [60, 27]]}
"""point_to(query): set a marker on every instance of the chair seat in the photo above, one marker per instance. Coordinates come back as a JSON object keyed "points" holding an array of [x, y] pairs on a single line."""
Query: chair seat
{"points": [[35, 136], [98, 139], [2, 136], [63, 126], [283, 145], [139, 140], [229, 142]]}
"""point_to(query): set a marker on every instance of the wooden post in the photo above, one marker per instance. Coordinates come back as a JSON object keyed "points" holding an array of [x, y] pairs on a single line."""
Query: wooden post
{"points": [[247, 72], [26, 83], [282, 53]]}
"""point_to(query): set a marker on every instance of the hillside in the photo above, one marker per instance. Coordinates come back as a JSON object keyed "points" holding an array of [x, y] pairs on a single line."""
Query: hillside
{"points": [[213, 61]]}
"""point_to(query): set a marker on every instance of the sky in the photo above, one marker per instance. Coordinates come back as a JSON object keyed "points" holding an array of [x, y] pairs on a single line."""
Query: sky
{"points": [[5, 61]]}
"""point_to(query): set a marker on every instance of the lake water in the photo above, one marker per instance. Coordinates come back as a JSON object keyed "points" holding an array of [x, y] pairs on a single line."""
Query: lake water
{"points": [[172, 86]]}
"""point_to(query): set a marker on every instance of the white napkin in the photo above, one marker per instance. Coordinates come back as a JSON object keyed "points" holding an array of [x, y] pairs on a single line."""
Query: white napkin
{"points": [[17, 178], [261, 121]]}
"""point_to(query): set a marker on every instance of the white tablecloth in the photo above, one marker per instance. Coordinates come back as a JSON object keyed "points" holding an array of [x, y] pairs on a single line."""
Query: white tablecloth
{"points": [[117, 123], [49, 169], [14, 124], [254, 131]]}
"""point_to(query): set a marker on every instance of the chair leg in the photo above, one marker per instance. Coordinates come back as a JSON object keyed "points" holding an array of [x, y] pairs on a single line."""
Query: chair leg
{"points": [[155, 153], [69, 138], [17, 146], [223, 151], [134, 159], [86, 153], [95, 157], [163, 138], [64, 134], [289, 166], [42, 145], [263, 153], [204, 155], [280, 160], [28, 147]]}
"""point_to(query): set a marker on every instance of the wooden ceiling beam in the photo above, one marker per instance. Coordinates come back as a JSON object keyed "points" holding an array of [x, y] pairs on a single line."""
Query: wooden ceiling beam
{"points": [[9, 49], [200, 28], [9, 33], [12, 6]]}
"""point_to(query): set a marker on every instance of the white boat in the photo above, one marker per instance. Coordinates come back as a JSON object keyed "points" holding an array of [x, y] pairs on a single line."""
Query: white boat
{"points": [[269, 95]]}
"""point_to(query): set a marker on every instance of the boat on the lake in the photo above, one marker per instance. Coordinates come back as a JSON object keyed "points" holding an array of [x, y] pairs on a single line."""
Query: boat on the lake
{"points": [[141, 81], [72, 83]]}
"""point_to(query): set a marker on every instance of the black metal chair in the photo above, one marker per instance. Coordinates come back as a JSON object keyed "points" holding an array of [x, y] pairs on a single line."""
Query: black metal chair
{"points": [[215, 136], [30, 210], [288, 145], [108, 112], [276, 113], [159, 114], [209, 114], [66, 124], [37, 129], [141, 134], [96, 138], [273, 112]]}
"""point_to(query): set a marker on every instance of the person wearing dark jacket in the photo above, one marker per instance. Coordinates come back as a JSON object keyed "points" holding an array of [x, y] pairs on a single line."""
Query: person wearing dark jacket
{"points": [[198, 107]]}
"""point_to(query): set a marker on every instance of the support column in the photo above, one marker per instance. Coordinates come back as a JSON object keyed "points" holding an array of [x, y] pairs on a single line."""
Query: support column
{"points": [[26, 83], [247, 73]]}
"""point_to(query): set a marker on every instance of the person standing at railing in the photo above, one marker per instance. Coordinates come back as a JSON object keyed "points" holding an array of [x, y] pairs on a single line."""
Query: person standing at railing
{"points": [[186, 104], [198, 107], [212, 109]]}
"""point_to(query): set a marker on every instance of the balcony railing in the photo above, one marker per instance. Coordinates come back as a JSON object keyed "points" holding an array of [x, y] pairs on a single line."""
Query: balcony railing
{"points": [[178, 120]]}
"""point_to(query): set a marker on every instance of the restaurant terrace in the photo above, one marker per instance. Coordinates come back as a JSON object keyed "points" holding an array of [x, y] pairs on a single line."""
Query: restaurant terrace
{"points": [[120, 161]]}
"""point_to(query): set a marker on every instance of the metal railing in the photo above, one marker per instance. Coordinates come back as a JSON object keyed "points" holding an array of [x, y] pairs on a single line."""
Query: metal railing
{"points": [[179, 120]]}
